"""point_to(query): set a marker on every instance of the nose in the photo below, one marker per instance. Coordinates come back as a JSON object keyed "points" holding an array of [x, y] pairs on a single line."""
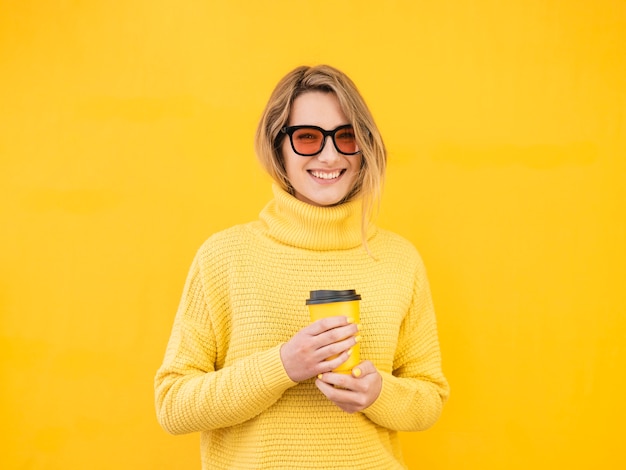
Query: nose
{"points": [[329, 153]]}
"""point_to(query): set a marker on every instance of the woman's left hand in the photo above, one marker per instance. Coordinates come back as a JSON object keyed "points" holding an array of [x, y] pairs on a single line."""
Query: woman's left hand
{"points": [[353, 392]]}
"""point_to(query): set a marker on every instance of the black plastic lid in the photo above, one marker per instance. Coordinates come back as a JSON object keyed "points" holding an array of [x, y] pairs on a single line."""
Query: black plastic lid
{"points": [[330, 296]]}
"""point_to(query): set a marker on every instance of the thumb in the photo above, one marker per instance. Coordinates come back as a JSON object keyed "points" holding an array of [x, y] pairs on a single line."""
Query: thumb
{"points": [[364, 368]]}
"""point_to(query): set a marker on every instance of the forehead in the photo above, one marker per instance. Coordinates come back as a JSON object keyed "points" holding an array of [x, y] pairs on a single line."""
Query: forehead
{"points": [[317, 108]]}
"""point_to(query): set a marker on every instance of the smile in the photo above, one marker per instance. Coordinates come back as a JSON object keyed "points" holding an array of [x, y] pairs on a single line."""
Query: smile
{"points": [[327, 175]]}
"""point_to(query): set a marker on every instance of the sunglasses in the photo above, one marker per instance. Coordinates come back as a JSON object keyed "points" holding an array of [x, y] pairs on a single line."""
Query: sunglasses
{"points": [[310, 140]]}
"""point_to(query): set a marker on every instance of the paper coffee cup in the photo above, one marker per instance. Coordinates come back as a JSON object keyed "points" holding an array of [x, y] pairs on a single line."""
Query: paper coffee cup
{"points": [[331, 303]]}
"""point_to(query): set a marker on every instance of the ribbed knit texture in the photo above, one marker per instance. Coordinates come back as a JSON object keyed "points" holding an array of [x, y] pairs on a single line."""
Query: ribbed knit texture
{"points": [[245, 296]]}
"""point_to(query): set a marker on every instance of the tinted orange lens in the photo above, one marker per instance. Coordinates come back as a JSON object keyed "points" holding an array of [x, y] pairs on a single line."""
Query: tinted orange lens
{"points": [[345, 140], [307, 141]]}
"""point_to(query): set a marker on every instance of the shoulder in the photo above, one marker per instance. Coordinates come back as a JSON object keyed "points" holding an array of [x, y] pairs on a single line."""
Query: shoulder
{"points": [[225, 244], [228, 235], [392, 248], [392, 244]]}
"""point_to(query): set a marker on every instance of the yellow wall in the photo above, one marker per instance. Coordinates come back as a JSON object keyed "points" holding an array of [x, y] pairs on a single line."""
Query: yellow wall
{"points": [[126, 139]]}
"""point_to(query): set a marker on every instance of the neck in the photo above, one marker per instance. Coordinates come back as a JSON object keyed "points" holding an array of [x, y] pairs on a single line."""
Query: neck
{"points": [[303, 225]]}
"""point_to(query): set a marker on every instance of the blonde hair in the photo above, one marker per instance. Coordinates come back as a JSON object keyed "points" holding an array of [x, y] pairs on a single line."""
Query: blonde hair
{"points": [[269, 138]]}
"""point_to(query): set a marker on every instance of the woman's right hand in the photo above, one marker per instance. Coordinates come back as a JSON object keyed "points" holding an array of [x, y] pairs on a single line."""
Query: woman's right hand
{"points": [[306, 354]]}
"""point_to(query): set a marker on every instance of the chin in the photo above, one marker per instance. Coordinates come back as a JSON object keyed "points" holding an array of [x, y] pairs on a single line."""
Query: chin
{"points": [[320, 201]]}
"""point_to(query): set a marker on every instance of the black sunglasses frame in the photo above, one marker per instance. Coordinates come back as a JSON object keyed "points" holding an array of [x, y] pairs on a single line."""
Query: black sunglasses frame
{"points": [[289, 130]]}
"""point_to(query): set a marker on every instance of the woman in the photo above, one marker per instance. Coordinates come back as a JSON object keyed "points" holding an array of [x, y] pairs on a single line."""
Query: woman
{"points": [[244, 364]]}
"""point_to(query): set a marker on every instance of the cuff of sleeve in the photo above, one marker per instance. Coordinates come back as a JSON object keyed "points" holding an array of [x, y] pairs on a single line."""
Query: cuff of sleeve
{"points": [[383, 403], [275, 376]]}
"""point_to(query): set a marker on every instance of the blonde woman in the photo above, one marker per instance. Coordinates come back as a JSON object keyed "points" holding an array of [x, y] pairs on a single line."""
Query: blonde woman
{"points": [[245, 366]]}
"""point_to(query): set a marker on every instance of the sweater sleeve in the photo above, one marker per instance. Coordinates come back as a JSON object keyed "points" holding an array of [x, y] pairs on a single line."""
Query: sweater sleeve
{"points": [[413, 394], [191, 394]]}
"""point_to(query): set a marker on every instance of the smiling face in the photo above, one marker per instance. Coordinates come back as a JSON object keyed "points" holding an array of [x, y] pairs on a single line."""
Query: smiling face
{"points": [[326, 178]]}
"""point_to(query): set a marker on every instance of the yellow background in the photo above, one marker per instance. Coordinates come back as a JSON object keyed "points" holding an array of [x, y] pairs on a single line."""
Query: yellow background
{"points": [[126, 132]]}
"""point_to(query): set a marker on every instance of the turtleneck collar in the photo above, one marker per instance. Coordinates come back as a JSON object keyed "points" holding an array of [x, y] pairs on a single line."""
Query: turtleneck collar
{"points": [[303, 225]]}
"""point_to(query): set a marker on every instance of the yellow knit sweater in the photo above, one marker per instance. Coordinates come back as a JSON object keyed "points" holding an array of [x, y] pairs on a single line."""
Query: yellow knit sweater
{"points": [[245, 296]]}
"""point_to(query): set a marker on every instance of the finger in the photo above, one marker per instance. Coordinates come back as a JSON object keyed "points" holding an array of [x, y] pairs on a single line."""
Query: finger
{"points": [[334, 348], [337, 334], [332, 363], [343, 381], [363, 369], [333, 391], [329, 323], [345, 399], [325, 388]]}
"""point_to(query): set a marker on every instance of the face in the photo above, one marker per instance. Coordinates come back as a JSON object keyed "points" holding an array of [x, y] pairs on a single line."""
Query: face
{"points": [[326, 178]]}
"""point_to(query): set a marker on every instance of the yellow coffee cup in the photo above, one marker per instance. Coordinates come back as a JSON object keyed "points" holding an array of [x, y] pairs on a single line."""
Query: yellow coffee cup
{"points": [[331, 303]]}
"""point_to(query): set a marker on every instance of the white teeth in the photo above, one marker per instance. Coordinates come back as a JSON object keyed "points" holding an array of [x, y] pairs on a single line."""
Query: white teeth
{"points": [[326, 176]]}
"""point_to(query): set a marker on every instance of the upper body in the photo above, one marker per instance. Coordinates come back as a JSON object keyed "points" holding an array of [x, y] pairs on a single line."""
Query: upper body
{"points": [[245, 297], [244, 365]]}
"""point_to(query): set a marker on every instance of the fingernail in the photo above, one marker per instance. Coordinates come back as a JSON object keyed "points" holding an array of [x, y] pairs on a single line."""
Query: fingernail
{"points": [[319, 376], [350, 319], [349, 351], [357, 338], [356, 372], [358, 327]]}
